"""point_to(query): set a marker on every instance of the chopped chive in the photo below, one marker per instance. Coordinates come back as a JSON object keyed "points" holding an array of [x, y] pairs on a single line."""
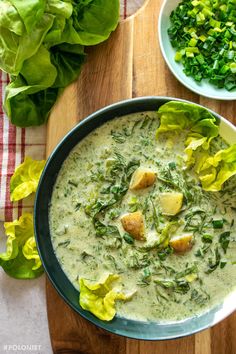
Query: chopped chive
{"points": [[128, 239], [223, 264], [64, 243], [224, 240], [72, 183]]}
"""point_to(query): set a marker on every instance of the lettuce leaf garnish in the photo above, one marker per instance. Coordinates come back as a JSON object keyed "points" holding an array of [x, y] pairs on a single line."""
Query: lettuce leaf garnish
{"points": [[201, 128], [176, 115], [21, 260], [25, 178], [217, 169], [199, 123], [99, 298]]}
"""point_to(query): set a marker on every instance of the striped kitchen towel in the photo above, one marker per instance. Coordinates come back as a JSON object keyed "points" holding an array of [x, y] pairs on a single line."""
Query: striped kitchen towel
{"points": [[16, 143]]}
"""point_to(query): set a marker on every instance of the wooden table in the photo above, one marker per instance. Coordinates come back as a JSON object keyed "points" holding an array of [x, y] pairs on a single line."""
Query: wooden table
{"points": [[128, 65]]}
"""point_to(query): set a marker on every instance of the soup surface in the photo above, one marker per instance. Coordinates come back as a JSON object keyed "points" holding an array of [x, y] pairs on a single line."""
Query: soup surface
{"points": [[171, 242]]}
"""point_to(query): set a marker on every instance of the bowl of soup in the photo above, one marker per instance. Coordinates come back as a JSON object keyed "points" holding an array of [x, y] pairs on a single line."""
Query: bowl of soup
{"points": [[135, 218]]}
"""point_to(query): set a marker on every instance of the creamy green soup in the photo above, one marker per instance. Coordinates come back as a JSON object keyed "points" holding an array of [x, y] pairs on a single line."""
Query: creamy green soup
{"points": [[91, 195]]}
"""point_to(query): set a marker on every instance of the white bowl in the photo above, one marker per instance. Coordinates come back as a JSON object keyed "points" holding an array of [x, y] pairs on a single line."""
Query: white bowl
{"points": [[203, 88]]}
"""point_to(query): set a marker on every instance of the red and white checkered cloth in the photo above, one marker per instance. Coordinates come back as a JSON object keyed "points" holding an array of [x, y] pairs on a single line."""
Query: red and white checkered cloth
{"points": [[16, 143]]}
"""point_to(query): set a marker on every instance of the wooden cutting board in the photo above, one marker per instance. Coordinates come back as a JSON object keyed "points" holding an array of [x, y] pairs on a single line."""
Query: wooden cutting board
{"points": [[128, 65]]}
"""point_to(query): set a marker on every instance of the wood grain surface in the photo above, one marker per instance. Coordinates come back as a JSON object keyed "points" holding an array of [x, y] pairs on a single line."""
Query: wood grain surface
{"points": [[128, 65]]}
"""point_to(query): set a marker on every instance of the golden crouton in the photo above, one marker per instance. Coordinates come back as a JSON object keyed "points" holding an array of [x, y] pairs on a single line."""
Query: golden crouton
{"points": [[181, 243], [133, 223], [171, 203], [142, 178]]}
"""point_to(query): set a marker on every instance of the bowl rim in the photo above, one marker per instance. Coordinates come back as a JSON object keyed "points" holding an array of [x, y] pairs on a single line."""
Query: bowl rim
{"points": [[122, 330], [171, 68]]}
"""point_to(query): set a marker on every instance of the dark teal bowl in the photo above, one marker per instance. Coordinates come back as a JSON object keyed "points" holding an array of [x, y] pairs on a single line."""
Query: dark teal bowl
{"points": [[121, 326]]}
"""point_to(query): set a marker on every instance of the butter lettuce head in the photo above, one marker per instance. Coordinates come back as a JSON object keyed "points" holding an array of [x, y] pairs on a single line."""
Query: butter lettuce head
{"points": [[42, 49], [217, 169], [99, 298], [26, 178], [21, 260]]}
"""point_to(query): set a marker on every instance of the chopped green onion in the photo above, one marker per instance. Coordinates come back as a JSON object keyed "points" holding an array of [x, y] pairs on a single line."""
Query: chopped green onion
{"points": [[128, 239], [217, 224], [233, 67], [172, 165], [192, 42], [207, 238], [204, 35], [178, 56]]}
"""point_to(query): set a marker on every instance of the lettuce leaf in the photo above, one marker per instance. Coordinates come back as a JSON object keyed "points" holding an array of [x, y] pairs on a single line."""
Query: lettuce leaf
{"points": [[30, 251], [21, 259], [68, 60], [200, 127], [99, 298], [34, 107], [199, 124], [22, 91], [194, 143], [42, 48], [176, 115], [10, 18], [32, 95], [217, 169], [63, 8], [15, 49], [94, 20], [28, 7], [25, 178]]}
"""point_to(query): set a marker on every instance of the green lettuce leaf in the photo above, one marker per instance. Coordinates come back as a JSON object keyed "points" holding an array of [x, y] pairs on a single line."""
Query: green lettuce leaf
{"points": [[25, 178], [28, 95], [21, 260], [94, 20], [10, 18], [16, 49], [68, 60], [62, 8], [176, 115], [28, 7], [199, 124], [217, 169], [54, 35], [34, 107], [32, 94], [99, 298], [62, 11]]}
